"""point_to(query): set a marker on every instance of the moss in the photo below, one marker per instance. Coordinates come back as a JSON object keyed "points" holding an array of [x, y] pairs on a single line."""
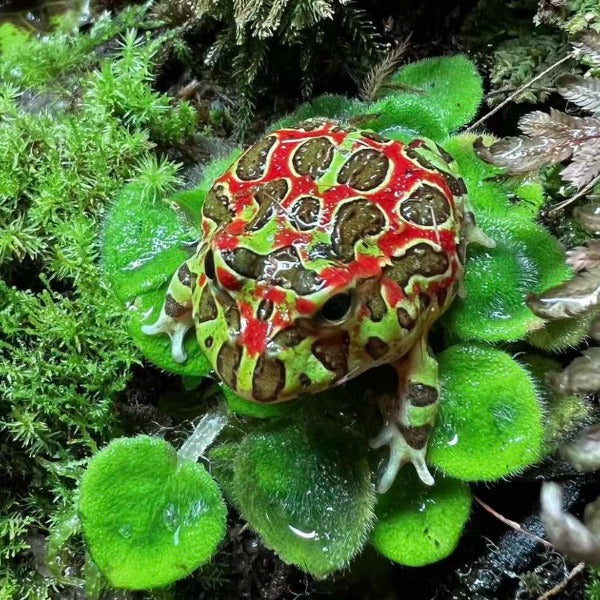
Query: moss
{"points": [[78, 118]]}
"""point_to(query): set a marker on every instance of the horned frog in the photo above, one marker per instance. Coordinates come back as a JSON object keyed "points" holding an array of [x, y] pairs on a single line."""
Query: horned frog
{"points": [[327, 251]]}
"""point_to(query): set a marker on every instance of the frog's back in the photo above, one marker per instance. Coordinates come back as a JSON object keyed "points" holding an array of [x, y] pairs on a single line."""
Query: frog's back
{"points": [[329, 250]]}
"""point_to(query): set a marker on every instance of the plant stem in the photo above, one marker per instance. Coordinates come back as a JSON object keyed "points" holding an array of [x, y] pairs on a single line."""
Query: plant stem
{"points": [[519, 91], [204, 434], [579, 194]]}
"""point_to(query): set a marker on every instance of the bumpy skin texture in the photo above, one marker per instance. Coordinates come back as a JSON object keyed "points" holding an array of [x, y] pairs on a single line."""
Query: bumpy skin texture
{"points": [[326, 251]]}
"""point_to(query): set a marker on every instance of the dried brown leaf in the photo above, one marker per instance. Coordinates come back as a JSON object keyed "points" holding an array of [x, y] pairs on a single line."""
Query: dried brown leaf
{"points": [[579, 541], [581, 376], [549, 138], [583, 91], [569, 299], [588, 46], [538, 123], [585, 165], [522, 154], [588, 256], [584, 451]]}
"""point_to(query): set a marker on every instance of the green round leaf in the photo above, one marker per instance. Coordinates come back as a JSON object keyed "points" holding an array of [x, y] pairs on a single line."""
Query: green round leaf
{"points": [[143, 243], [157, 348], [450, 84], [418, 525], [306, 488], [526, 259], [403, 118], [148, 519], [562, 334], [490, 421]]}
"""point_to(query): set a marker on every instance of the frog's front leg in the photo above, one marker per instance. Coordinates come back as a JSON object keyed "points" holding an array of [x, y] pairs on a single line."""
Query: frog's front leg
{"points": [[410, 416], [175, 317]]}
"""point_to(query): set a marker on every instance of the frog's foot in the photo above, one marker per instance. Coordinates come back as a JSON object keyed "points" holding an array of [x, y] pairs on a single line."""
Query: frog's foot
{"points": [[410, 415], [399, 440], [175, 328], [175, 317]]}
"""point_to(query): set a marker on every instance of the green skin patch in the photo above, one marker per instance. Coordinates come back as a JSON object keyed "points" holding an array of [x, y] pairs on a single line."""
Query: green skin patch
{"points": [[327, 251]]}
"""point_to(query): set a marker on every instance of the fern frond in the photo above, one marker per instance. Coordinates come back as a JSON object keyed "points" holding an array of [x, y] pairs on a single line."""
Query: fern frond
{"points": [[583, 91], [380, 72], [588, 46]]}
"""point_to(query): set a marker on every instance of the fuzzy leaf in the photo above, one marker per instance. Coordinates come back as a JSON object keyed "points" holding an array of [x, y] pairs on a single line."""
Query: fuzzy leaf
{"points": [[306, 488], [549, 139], [588, 256], [449, 85], [582, 376], [588, 46], [143, 243], [490, 422], [526, 259], [569, 299], [149, 518], [583, 91], [585, 165], [522, 154], [404, 117], [563, 334], [418, 525], [589, 218]]}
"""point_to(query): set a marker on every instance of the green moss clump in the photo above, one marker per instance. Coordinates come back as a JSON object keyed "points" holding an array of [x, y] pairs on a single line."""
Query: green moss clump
{"points": [[78, 119]]}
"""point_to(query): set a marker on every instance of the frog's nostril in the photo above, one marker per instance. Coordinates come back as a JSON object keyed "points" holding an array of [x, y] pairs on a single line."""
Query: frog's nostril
{"points": [[337, 307], [209, 265]]}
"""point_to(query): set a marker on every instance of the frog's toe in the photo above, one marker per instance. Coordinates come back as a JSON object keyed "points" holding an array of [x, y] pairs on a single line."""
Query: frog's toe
{"points": [[175, 329], [400, 454]]}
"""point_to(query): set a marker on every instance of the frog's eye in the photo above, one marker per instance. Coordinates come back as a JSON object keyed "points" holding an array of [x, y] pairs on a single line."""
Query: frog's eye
{"points": [[336, 308], [209, 265]]}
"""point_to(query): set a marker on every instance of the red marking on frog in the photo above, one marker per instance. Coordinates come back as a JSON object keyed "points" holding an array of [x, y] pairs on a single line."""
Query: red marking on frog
{"points": [[227, 280], [305, 307], [254, 331]]}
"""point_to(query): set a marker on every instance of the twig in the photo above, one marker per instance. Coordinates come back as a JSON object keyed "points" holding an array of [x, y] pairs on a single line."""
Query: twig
{"points": [[519, 91], [559, 587], [579, 194], [513, 524]]}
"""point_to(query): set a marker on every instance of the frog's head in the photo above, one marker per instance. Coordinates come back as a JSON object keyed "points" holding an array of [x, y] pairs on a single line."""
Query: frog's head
{"points": [[326, 251]]}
